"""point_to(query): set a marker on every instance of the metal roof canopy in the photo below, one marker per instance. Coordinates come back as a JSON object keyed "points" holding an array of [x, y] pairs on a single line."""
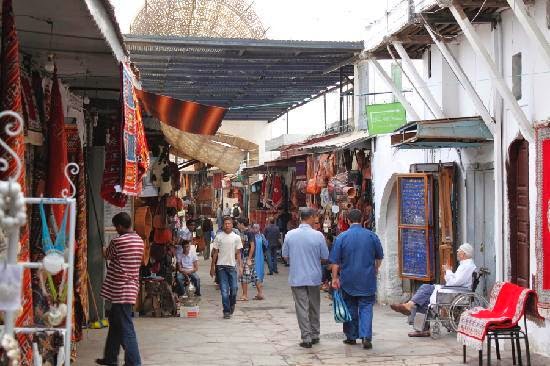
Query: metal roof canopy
{"points": [[86, 58], [416, 39], [442, 133], [237, 73]]}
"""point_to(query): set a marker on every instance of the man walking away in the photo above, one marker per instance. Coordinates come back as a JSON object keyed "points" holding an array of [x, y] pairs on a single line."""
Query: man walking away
{"points": [[121, 289], [356, 256], [273, 236], [226, 255], [207, 229], [304, 249], [226, 212]]}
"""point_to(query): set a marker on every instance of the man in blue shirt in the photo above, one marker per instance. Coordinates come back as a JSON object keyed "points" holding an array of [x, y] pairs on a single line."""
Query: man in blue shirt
{"points": [[304, 249], [356, 256]]}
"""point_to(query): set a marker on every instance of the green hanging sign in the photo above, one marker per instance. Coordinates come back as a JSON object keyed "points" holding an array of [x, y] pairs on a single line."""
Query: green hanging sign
{"points": [[385, 118]]}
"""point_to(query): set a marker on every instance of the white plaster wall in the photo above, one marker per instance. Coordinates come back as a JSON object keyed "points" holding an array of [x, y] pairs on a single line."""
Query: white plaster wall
{"points": [[254, 131], [534, 103]]}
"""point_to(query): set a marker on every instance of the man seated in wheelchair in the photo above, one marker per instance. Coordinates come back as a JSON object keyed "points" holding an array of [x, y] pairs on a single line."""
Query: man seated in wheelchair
{"points": [[187, 266], [455, 282]]}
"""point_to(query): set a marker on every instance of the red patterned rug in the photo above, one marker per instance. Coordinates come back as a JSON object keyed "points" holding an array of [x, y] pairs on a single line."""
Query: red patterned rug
{"points": [[542, 242]]}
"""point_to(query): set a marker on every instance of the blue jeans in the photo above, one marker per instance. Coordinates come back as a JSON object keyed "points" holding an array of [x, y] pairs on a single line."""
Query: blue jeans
{"points": [[228, 287], [195, 279], [271, 254], [121, 333], [422, 297], [361, 310]]}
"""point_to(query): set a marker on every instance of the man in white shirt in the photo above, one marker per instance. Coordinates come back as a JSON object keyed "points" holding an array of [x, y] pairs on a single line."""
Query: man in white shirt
{"points": [[187, 233], [188, 265], [427, 294], [226, 255]]}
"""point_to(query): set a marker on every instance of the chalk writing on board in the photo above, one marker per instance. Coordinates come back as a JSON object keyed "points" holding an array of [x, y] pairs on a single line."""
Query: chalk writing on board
{"points": [[414, 252], [413, 201]]}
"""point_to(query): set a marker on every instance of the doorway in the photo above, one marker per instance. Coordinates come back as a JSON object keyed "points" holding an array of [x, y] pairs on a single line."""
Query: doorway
{"points": [[480, 205], [518, 200]]}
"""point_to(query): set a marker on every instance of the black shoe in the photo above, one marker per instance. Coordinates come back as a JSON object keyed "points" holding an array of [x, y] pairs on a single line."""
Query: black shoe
{"points": [[315, 341], [350, 342], [232, 309], [276, 272], [271, 274], [227, 316], [102, 361], [367, 344], [305, 344], [199, 294]]}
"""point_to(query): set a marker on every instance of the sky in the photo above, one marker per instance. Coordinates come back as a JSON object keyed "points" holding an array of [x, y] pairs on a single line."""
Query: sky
{"points": [[318, 20]]}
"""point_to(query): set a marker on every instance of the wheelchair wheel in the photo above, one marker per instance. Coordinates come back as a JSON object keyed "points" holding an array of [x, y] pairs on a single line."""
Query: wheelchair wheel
{"points": [[462, 303]]}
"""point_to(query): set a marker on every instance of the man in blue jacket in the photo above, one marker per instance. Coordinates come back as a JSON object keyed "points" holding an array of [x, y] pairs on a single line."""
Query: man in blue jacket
{"points": [[356, 256]]}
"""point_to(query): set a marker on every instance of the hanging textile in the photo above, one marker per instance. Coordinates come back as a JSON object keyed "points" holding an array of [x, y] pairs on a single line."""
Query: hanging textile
{"points": [[30, 111], [57, 150], [10, 97], [277, 195], [542, 242], [217, 180], [111, 173], [185, 116], [76, 155], [136, 151]]}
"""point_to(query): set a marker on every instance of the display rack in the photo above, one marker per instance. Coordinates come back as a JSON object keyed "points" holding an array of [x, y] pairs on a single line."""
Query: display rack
{"points": [[12, 234]]}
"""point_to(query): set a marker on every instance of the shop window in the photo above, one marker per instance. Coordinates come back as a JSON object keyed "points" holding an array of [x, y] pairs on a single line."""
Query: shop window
{"points": [[516, 75]]}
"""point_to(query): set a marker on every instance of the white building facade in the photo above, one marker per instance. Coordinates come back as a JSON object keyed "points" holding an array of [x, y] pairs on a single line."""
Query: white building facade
{"points": [[503, 75]]}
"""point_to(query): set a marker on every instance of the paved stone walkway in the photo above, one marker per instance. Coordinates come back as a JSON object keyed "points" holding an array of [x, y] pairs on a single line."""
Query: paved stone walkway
{"points": [[266, 333]]}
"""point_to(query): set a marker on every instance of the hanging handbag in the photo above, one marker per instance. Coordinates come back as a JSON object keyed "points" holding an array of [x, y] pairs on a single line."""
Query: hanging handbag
{"points": [[339, 307], [162, 236], [172, 201]]}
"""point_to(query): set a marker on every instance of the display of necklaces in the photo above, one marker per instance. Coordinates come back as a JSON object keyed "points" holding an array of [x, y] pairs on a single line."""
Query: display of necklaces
{"points": [[54, 262]]}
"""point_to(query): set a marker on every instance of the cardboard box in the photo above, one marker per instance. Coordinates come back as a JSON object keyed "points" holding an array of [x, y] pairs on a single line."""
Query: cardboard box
{"points": [[189, 311]]}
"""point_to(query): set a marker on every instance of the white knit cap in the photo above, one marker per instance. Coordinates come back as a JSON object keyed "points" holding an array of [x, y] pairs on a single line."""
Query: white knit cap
{"points": [[467, 249]]}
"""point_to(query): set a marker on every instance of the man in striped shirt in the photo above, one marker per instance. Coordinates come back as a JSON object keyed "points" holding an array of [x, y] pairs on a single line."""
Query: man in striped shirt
{"points": [[121, 287]]}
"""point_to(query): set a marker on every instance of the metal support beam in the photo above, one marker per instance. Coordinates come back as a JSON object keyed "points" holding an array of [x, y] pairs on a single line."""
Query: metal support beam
{"points": [[411, 113], [463, 80], [475, 41], [531, 28], [436, 110]]}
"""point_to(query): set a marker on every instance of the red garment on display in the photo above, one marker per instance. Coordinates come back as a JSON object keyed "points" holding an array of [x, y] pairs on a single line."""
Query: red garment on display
{"points": [[277, 196], [507, 306], [57, 184], [10, 98], [111, 173]]}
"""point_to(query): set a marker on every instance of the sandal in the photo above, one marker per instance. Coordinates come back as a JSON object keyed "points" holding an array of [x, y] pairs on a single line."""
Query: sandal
{"points": [[258, 298], [242, 299]]}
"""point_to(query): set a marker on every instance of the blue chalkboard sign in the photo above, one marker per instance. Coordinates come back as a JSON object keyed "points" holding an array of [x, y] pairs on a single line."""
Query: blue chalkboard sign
{"points": [[416, 255]]}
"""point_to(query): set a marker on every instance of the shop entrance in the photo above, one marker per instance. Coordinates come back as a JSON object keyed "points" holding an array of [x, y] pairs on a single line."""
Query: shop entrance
{"points": [[480, 201], [518, 199]]}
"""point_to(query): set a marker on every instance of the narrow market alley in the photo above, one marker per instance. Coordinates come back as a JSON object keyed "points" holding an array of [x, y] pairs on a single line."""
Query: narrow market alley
{"points": [[265, 333]]}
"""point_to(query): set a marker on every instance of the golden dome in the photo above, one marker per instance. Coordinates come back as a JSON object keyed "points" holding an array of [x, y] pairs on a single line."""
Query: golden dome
{"points": [[198, 18]]}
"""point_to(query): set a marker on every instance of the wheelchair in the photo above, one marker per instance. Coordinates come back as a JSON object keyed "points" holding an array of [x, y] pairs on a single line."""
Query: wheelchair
{"points": [[449, 306]]}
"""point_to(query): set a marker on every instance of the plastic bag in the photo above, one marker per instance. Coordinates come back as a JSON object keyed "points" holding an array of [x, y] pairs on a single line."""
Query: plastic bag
{"points": [[341, 312]]}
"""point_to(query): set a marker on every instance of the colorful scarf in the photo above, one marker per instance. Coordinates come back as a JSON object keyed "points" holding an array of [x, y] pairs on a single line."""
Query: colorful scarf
{"points": [[507, 306], [10, 99], [136, 151], [56, 183], [30, 111]]}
